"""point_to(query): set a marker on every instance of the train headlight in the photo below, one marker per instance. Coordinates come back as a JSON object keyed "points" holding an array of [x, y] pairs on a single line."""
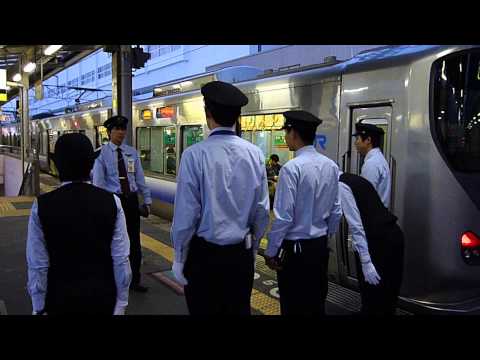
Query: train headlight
{"points": [[470, 248]]}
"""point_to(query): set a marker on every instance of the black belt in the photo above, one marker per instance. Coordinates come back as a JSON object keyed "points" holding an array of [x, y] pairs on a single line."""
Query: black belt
{"points": [[200, 242], [298, 245], [122, 195]]}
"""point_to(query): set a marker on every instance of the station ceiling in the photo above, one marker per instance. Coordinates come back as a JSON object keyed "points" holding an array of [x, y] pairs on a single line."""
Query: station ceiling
{"points": [[68, 55]]}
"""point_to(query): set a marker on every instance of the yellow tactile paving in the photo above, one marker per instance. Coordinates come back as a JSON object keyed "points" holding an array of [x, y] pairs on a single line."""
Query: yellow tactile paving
{"points": [[157, 247], [17, 199], [259, 301], [8, 210]]}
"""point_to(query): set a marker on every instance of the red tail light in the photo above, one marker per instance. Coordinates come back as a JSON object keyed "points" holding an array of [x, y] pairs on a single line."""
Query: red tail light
{"points": [[470, 240]]}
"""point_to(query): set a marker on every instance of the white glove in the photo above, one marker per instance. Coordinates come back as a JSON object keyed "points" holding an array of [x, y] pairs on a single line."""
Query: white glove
{"points": [[370, 273], [119, 310], [177, 269]]}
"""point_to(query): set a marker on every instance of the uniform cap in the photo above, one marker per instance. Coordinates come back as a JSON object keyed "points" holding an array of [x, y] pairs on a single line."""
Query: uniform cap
{"points": [[117, 120], [367, 129], [300, 118], [224, 94]]}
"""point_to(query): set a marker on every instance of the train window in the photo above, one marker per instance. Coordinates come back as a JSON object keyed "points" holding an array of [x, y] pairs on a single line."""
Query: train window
{"points": [[264, 131], [191, 135], [456, 109], [143, 146], [157, 147], [263, 140], [169, 142], [247, 135], [279, 146], [156, 164]]}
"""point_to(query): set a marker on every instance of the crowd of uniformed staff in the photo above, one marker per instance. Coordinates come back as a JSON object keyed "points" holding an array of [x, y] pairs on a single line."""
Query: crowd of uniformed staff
{"points": [[221, 212]]}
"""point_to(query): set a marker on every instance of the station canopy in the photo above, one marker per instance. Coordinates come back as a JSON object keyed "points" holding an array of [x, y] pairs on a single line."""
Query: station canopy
{"points": [[66, 56]]}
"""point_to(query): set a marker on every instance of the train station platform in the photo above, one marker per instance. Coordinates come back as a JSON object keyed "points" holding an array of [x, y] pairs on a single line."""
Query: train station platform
{"points": [[164, 297]]}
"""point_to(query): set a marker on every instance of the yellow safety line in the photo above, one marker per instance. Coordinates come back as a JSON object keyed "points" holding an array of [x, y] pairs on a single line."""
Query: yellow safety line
{"points": [[17, 199], [157, 247], [259, 301], [7, 209]]}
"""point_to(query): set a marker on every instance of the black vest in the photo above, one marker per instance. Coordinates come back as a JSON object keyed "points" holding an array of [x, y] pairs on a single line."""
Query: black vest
{"points": [[78, 221], [377, 220]]}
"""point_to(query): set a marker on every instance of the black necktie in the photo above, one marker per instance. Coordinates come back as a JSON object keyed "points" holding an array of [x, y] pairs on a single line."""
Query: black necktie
{"points": [[122, 172]]}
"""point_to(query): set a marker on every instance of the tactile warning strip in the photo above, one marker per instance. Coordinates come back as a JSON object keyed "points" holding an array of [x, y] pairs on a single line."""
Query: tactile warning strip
{"points": [[7, 208]]}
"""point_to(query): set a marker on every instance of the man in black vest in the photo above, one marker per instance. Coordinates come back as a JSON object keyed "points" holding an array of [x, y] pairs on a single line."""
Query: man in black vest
{"points": [[378, 243], [77, 246]]}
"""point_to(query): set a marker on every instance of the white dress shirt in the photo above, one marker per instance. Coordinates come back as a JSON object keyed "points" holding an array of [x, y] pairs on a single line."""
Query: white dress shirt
{"points": [[38, 259], [306, 204], [352, 214], [222, 192], [376, 170]]}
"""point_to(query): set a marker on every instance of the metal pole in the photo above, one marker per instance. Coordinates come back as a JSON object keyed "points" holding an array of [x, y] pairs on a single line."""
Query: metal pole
{"points": [[122, 86], [26, 136]]}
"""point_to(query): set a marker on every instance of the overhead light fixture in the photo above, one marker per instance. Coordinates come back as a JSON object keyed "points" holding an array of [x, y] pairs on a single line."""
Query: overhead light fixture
{"points": [[51, 49], [17, 77], [31, 66]]}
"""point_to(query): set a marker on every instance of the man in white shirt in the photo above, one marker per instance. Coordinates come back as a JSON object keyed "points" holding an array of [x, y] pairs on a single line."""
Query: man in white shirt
{"points": [[375, 168], [307, 211], [221, 210]]}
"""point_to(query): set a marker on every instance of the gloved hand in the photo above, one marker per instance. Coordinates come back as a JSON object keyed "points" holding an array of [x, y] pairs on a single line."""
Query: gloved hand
{"points": [[144, 210], [177, 269], [370, 273], [36, 313], [119, 310]]}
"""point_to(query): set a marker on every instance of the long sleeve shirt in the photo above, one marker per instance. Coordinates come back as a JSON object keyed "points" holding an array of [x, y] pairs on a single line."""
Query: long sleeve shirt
{"points": [[376, 170], [352, 214], [307, 204], [222, 193], [38, 259], [105, 170]]}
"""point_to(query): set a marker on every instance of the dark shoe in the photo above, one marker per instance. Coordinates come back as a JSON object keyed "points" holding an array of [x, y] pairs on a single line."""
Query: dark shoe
{"points": [[139, 288]]}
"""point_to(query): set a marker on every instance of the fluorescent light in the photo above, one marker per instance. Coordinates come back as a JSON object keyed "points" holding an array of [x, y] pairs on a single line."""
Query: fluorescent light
{"points": [[51, 49], [17, 77], [29, 67]]}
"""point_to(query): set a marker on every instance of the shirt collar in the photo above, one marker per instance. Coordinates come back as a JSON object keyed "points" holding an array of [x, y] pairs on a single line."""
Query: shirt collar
{"points": [[305, 149], [372, 153], [115, 147], [228, 128], [69, 182]]}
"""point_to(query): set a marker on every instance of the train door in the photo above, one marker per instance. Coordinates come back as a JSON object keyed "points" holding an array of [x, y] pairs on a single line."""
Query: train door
{"points": [[352, 163]]}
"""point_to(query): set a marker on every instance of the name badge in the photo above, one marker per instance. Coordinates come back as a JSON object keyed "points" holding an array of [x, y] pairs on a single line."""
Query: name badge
{"points": [[131, 165]]}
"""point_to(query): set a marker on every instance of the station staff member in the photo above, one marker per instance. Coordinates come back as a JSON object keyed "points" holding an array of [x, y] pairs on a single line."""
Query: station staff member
{"points": [[118, 170], [378, 243], [375, 168], [221, 210], [77, 245], [307, 210]]}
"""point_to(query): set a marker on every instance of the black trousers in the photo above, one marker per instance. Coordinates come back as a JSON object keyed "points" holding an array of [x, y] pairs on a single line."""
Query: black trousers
{"points": [[303, 281], [220, 278], [132, 215], [387, 257]]}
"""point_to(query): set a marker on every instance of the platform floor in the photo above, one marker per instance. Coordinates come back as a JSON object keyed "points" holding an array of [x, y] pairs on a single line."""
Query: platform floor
{"points": [[157, 259]]}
